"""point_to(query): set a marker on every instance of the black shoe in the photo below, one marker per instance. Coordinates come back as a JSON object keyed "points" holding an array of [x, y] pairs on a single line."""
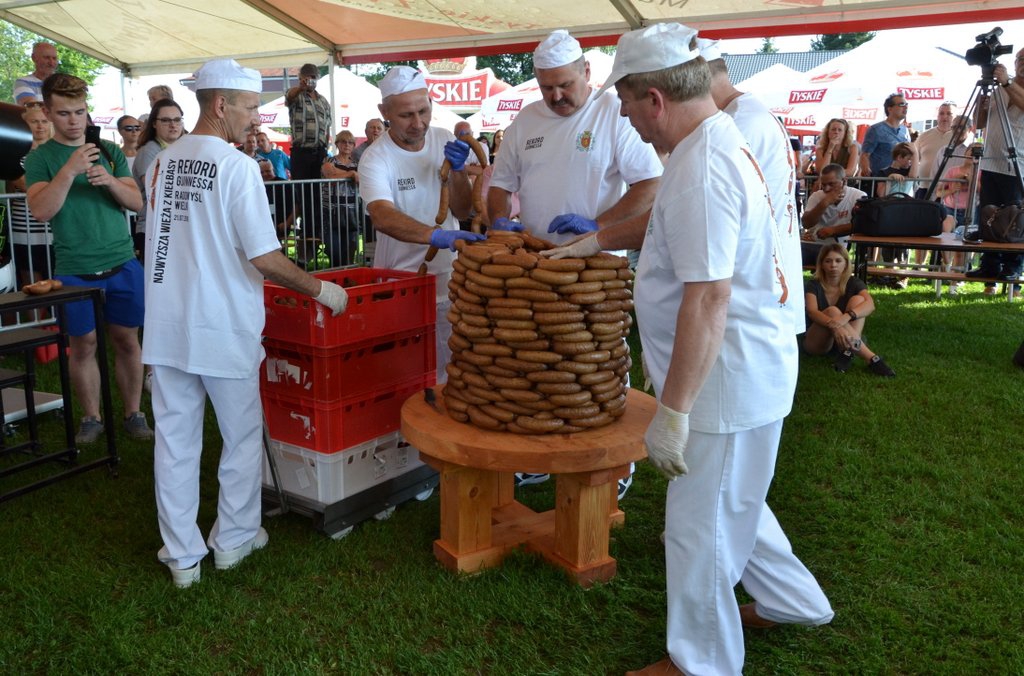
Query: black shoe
{"points": [[842, 362], [880, 368]]}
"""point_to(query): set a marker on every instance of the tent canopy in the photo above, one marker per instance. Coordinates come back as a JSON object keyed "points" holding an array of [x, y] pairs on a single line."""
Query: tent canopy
{"points": [[156, 36], [853, 86]]}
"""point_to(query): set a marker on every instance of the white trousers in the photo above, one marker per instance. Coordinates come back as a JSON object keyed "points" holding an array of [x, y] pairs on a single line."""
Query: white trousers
{"points": [[718, 532], [179, 403]]}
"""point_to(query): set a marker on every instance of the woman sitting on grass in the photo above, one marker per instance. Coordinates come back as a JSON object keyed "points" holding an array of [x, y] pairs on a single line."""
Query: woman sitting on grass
{"points": [[837, 305]]}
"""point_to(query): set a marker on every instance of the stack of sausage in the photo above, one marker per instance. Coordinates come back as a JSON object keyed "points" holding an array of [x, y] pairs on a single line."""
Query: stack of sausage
{"points": [[538, 345]]}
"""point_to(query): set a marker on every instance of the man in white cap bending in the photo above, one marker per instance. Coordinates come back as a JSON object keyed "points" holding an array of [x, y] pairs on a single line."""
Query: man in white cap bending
{"points": [[399, 182], [719, 347], [211, 243], [575, 162], [769, 142]]}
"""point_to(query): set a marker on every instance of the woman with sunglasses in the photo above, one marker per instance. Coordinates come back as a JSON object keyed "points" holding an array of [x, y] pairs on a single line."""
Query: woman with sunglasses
{"points": [[163, 127], [130, 129]]}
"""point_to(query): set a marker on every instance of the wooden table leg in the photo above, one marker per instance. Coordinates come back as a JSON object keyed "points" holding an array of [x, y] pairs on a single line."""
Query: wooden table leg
{"points": [[583, 505]]}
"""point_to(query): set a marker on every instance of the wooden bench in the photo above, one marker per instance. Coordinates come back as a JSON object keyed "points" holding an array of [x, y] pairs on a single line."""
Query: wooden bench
{"points": [[938, 276], [944, 242]]}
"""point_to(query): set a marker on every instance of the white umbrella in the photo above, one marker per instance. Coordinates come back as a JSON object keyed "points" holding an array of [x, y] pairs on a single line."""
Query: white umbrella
{"points": [[854, 86]]}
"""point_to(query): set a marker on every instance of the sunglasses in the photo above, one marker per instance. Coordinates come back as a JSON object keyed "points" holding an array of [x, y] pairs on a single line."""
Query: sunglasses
{"points": [[131, 127], [33, 104], [169, 120]]}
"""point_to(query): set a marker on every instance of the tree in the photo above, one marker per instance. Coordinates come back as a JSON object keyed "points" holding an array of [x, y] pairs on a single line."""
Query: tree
{"points": [[512, 68], [768, 47], [840, 41], [375, 72], [16, 61]]}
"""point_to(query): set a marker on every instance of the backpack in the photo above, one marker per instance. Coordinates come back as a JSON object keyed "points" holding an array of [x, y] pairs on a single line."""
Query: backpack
{"points": [[1000, 224]]}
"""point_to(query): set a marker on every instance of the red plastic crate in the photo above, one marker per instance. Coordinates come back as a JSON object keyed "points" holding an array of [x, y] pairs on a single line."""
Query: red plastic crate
{"points": [[380, 302], [333, 427], [330, 374]]}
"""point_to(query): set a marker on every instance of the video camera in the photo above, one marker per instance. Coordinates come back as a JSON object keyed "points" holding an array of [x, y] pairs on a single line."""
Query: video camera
{"points": [[987, 52]]}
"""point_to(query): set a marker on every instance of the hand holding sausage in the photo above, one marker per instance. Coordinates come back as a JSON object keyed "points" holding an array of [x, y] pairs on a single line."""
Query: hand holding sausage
{"points": [[332, 296], [665, 441], [507, 225], [456, 152], [446, 239], [572, 224]]}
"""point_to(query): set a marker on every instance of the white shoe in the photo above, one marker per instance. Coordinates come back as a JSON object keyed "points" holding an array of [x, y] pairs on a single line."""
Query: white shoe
{"points": [[185, 577], [225, 560]]}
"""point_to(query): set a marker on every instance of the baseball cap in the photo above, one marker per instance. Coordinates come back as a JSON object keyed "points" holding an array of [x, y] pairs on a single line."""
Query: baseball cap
{"points": [[646, 50], [226, 74], [401, 79], [556, 50]]}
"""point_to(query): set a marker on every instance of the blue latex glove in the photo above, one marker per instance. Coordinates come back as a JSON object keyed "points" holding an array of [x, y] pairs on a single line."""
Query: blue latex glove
{"points": [[572, 224], [445, 239], [507, 224], [456, 152]]}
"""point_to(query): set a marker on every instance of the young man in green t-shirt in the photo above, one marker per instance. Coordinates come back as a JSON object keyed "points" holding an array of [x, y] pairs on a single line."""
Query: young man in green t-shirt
{"points": [[82, 190]]}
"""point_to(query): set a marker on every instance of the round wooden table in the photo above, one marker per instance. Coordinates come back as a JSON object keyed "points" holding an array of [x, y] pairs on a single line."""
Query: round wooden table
{"points": [[480, 519]]}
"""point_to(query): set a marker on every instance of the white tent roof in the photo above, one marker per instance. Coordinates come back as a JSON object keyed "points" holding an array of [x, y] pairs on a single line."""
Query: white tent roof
{"points": [[156, 36], [854, 86]]}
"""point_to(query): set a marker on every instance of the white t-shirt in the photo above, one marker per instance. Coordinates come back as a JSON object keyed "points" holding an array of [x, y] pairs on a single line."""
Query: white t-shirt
{"points": [[711, 221], [207, 219], [769, 141], [930, 145], [580, 164], [834, 214], [410, 181]]}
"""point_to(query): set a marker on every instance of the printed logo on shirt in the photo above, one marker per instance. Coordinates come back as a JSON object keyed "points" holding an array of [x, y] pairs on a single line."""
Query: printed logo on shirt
{"points": [[182, 183], [585, 141], [534, 143], [406, 184]]}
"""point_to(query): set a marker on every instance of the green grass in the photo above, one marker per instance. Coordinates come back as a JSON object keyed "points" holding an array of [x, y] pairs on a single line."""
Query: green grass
{"points": [[902, 496]]}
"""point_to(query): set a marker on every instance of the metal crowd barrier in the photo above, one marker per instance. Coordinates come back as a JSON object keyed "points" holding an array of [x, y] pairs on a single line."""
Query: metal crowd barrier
{"points": [[322, 223]]}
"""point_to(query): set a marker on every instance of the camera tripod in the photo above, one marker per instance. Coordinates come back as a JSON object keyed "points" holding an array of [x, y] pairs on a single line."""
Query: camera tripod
{"points": [[980, 100]]}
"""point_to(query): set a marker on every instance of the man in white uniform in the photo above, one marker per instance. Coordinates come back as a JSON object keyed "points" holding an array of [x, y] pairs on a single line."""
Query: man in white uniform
{"points": [[400, 185], [211, 242], [769, 142], [576, 164], [719, 347]]}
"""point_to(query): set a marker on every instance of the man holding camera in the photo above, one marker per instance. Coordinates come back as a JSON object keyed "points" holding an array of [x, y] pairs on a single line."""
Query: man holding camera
{"points": [[310, 117], [1000, 181], [82, 186]]}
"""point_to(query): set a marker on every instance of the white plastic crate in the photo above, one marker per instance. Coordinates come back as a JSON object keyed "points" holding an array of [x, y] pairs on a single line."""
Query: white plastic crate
{"points": [[329, 478]]}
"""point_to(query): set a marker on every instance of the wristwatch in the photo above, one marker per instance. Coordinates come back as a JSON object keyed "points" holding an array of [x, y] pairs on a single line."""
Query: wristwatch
{"points": [[1006, 84], [853, 315]]}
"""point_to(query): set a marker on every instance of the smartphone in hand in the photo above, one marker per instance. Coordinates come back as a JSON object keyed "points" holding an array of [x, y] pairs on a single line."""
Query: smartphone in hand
{"points": [[92, 135]]}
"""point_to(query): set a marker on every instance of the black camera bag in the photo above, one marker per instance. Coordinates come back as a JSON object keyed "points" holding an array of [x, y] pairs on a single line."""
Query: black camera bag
{"points": [[897, 215]]}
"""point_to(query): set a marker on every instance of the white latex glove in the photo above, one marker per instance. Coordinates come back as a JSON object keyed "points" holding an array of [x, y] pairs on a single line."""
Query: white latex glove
{"points": [[584, 247], [332, 296], [665, 440]]}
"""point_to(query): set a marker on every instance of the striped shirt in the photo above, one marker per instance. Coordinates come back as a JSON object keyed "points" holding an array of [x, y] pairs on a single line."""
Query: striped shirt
{"points": [[311, 121]]}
